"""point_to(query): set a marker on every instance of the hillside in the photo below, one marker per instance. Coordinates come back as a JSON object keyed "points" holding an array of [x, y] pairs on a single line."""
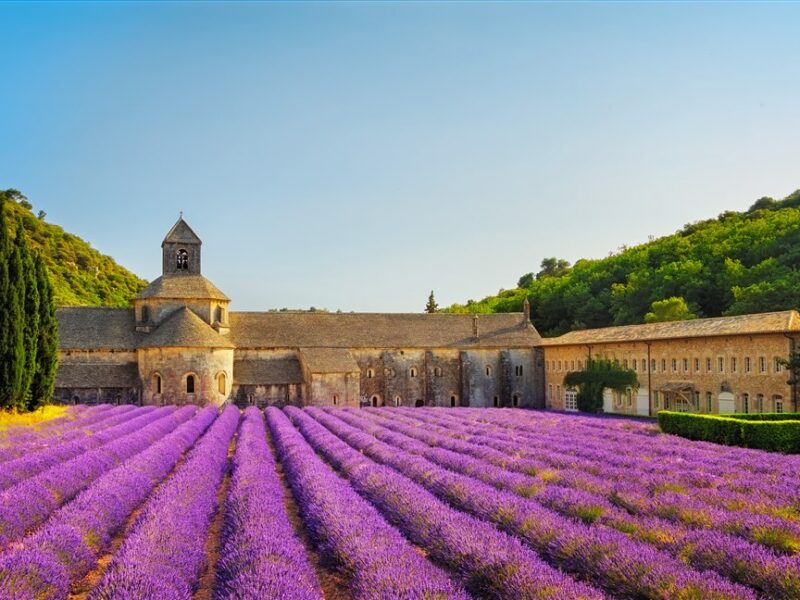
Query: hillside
{"points": [[740, 262], [81, 275]]}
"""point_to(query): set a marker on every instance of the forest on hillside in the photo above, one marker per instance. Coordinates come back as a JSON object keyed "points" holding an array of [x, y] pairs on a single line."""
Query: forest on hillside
{"points": [[740, 262], [80, 275]]}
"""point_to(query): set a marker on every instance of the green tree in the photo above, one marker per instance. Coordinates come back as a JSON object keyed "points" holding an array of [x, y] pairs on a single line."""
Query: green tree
{"points": [[598, 375], [12, 347], [31, 318], [553, 267], [431, 306], [526, 280], [671, 309], [44, 377], [792, 364]]}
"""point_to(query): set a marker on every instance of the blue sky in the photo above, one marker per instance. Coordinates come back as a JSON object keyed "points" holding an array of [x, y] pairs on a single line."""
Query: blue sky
{"points": [[356, 156]]}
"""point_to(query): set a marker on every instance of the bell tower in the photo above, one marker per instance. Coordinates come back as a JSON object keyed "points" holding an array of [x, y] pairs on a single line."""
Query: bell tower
{"points": [[181, 250]]}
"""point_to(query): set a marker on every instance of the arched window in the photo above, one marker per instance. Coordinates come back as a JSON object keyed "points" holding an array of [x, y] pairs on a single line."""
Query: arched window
{"points": [[497, 400], [412, 372], [398, 400], [488, 371], [515, 399], [376, 401], [419, 403], [190, 384], [221, 383], [156, 383], [437, 371], [370, 373], [778, 403], [182, 260], [452, 400], [518, 370]]}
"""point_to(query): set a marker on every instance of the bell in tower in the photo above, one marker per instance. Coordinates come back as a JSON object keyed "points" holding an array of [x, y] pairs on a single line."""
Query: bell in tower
{"points": [[181, 250]]}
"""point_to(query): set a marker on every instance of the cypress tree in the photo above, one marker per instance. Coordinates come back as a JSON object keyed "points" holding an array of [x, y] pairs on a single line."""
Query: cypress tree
{"points": [[12, 349], [31, 312], [44, 378]]}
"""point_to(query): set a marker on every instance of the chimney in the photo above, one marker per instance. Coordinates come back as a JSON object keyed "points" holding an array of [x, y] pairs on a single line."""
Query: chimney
{"points": [[526, 309], [475, 325]]}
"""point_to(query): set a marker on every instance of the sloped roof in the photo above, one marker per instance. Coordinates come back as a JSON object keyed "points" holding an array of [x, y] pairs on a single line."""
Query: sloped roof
{"points": [[184, 329], [181, 233], [267, 371], [775, 322], [379, 330], [328, 360], [93, 328], [87, 375], [181, 287]]}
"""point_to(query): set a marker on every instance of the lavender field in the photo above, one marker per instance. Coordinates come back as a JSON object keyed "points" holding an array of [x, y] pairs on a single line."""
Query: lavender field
{"points": [[139, 503]]}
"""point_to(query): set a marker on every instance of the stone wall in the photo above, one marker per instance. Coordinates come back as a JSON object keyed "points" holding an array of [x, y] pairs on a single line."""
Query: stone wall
{"points": [[714, 366], [174, 365]]}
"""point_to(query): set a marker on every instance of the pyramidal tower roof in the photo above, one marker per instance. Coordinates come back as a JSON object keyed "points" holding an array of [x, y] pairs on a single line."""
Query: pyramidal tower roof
{"points": [[181, 233], [184, 329]]}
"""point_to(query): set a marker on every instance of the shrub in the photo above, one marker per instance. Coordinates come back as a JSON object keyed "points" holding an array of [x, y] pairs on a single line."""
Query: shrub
{"points": [[764, 434]]}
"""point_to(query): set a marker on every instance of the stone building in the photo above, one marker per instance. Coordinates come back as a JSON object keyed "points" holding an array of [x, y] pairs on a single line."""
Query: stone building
{"points": [[720, 365], [181, 344]]}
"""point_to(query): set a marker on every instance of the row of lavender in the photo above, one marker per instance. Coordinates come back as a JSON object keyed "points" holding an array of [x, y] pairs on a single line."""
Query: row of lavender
{"points": [[741, 560]]}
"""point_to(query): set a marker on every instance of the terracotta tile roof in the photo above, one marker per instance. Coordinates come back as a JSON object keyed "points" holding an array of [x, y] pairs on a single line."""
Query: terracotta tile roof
{"points": [[267, 371], [180, 287], [92, 328], [102, 375], [328, 360], [379, 330], [787, 321], [184, 329]]}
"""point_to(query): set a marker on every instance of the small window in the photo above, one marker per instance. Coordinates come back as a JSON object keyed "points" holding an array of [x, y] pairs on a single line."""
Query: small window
{"points": [[571, 366], [437, 371], [221, 383], [697, 365], [452, 400], [190, 384], [709, 402], [392, 373], [220, 317], [412, 372], [549, 393], [515, 399], [398, 401], [182, 260], [778, 365], [335, 400], [760, 403], [685, 365], [674, 365], [635, 366], [145, 314], [720, 364], [778, 400], [559, 366], [488, 371], [625, 364], [496, 399], [376, 401], [733, 364], [747, 366], [370, 373], [746, 403], [518, 370], [653, 365], [655, 399], [663, 365], [629, 396], [157, 384], [708, 365]]}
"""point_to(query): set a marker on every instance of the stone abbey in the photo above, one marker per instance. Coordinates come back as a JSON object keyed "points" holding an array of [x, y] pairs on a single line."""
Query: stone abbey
{"points": [[181, 344]]}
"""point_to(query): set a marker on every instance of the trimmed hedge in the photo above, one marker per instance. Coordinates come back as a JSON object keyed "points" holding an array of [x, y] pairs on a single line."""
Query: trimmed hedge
{"points": [[767, 434], [766, 416]]}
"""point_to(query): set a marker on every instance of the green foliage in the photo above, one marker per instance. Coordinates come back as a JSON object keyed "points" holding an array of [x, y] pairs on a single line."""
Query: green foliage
{"points": [[766, 416], [773, 435], [431, 306], [599, 374], [31, 300], [671, 309], [792, 364], [735, 264], [79, 274], [12, 317], [553, 267], [44, 378]]}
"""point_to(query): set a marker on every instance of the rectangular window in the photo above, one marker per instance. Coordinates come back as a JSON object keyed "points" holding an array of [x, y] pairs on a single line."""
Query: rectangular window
{"points": [[733, 364], [580, 365], [571, 366], [709, 402], [559, 366], [708, 365], [570, 400], [746, 403], [663, 365], [760, 403], [721, 365], [674, 365], [653, 365], [762, 364], [655, 399], [625, 364], [685, 365], [697, 365], [550, 393], [747, 368], [635, 365], [778, 365], [696, 401], [778, 406]]}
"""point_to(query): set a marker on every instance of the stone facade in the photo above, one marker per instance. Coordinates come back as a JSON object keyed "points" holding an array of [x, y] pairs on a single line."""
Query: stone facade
{"points": [[181, 344], [716, 366]]}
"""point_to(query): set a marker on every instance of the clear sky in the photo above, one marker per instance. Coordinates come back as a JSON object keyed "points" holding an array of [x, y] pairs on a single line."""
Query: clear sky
{"points": [[356, 156]]}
